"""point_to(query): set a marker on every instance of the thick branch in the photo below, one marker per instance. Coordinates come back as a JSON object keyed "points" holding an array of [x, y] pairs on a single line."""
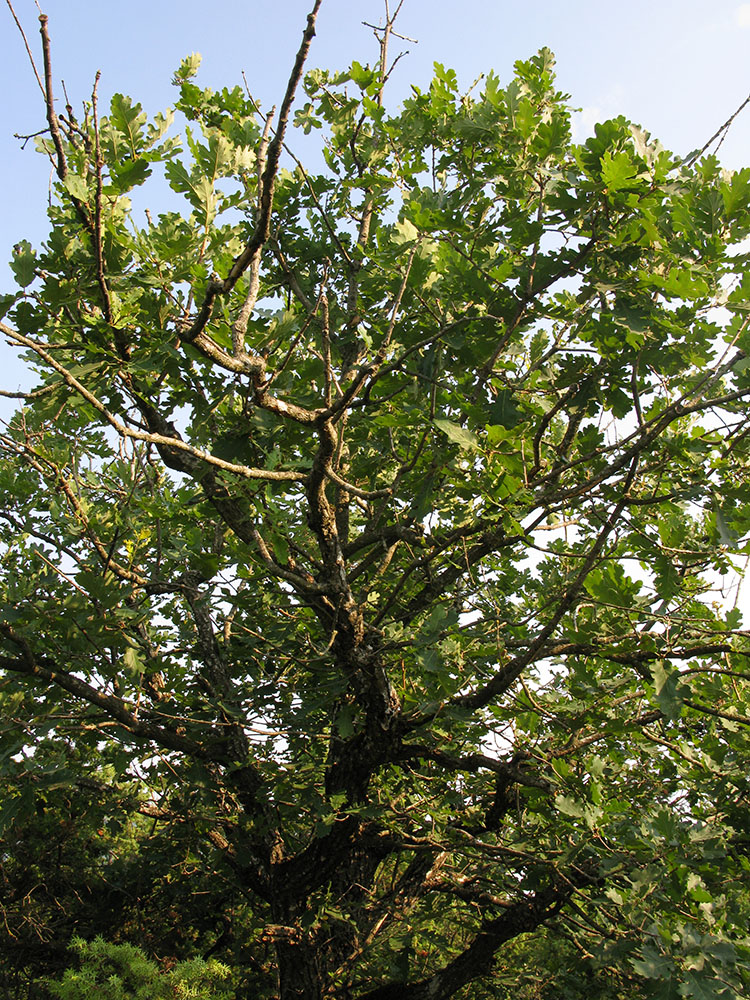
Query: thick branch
{"points": [[477, 959]]}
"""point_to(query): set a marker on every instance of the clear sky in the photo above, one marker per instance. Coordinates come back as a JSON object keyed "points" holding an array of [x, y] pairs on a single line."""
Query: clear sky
{"points": [[677, 67]]}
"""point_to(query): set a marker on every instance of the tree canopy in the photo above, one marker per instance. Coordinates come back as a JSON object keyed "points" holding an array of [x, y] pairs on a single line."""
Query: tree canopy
{"points": [[367, 543]]}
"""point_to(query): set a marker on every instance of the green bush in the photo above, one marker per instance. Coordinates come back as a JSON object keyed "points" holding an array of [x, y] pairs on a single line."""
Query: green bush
{"points": [[122, 972]]}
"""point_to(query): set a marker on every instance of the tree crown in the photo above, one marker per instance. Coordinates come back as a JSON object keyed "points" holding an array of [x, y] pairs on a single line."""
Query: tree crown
{"points": [[363, 529]]}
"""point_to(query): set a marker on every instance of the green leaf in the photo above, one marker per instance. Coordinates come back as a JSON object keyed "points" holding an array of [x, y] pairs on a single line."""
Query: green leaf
{"points": [[76, 186], [727, 536], [502, 411], [652, 964], [703, 988], [133, 662], [405, 232], [206, 564], [24, 263], [363, 76], [187, 68], [345, 722], [126, 175], [464, 438], [618, 171], [197, 188], [10, 808], [670, 694], [129, 119], [569, 806]]}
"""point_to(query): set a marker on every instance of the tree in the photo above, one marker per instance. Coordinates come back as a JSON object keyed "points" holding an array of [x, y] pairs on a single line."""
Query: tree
{"points": [[361, 539]]}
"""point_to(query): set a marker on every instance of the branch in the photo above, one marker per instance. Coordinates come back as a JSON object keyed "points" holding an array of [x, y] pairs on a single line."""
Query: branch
{"points": [[28, 49], [263, 227], [370, 371], [54, 126], [96, 222], [170, 441], [116, 708], [514, 770], [477, 959], [240, 326], [644, 434], [303, 586], [493, 538], [569, 267], [508, 674], [742, 720], [690, 160], [105, 553], [241, 363]]}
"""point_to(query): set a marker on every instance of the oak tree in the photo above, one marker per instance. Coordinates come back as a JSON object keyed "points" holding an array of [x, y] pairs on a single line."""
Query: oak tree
{"points": [[362, 541]]}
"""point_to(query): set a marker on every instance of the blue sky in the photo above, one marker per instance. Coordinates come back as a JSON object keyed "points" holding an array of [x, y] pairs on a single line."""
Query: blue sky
{"points": [[677, 67]]}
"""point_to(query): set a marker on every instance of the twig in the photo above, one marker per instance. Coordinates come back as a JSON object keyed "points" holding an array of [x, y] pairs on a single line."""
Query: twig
{"points": [[28, 48], [32, 135], [690, 160], [240, 327], [97, 220], [298, 336], [325, 326]]}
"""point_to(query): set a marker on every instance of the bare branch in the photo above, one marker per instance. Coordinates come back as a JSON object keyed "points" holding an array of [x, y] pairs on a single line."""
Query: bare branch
{"points": [[262, 228], [721, 131], [240, 326], [28, 48], [54, 126]]}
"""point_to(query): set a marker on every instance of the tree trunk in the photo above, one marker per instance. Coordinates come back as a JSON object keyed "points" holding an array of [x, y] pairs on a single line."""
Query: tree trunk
{"points": [[299, 968]]}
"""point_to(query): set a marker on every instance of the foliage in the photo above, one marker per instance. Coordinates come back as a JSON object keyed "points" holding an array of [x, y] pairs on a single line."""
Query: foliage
{"points": [[362, 544], [80, 859], [122, 972]]}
